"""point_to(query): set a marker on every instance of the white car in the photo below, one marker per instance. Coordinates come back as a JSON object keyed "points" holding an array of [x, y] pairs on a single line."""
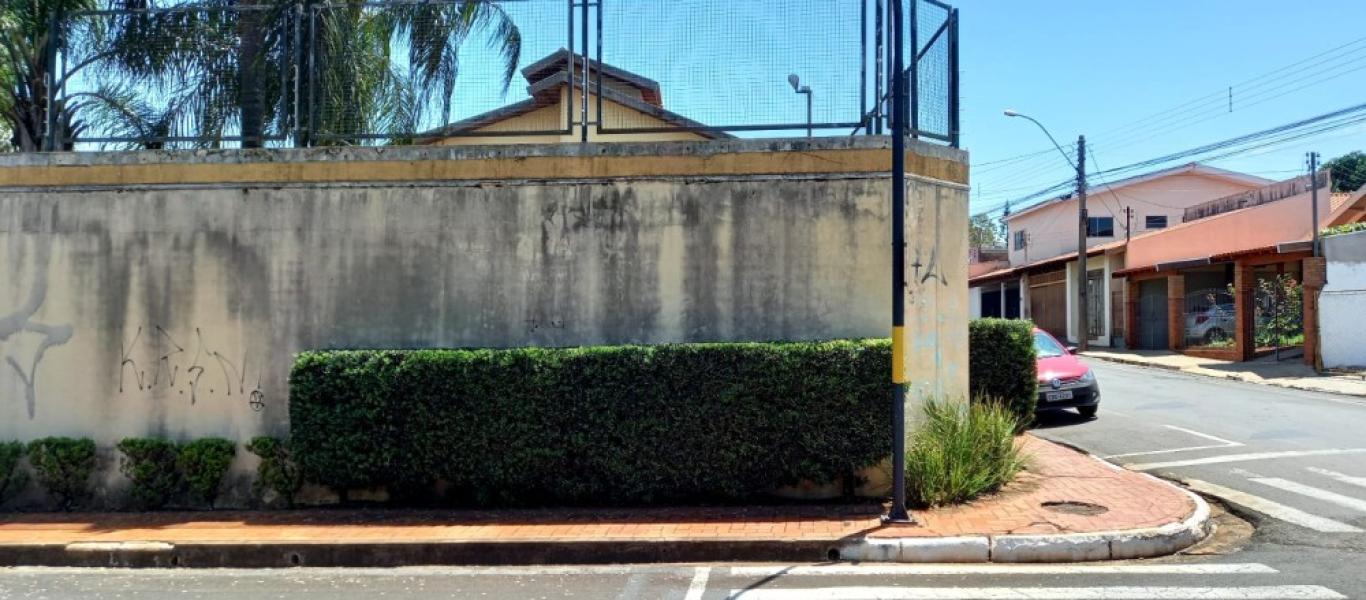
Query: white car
{"points": [[1212, 325]]}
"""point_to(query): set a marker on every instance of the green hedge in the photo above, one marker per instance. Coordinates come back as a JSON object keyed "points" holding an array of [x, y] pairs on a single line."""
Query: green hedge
{"points": [[1001, 364], [618, 425], [63, 466]]}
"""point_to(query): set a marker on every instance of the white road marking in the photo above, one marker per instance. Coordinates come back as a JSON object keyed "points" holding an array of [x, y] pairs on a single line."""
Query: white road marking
{"points": [[998, 569], [1343, 477], [1251, 456], [698, 585], [1223, 443], [1272, 509], [1207, 436], [1313, 492], [1279, 592]]}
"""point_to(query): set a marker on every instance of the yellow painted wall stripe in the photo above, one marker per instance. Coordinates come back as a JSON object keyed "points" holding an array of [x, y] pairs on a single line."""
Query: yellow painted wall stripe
{"points": [[484, 169], [899, 355]]}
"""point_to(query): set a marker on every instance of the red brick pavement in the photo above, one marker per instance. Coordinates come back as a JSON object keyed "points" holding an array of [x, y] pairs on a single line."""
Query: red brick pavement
{"points": [[1055, 474]]}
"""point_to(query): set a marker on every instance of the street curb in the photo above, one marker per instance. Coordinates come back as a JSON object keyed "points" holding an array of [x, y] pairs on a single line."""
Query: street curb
{"points": [[1228, 376], [285, 554], [1126, 544]]}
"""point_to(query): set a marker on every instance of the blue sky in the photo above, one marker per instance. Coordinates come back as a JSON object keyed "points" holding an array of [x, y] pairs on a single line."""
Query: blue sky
{"points": [[1096, 67], [1140, 79]]}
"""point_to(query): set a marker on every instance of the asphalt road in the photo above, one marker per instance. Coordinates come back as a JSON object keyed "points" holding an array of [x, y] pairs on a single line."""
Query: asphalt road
{"points": [[1295, 461]]}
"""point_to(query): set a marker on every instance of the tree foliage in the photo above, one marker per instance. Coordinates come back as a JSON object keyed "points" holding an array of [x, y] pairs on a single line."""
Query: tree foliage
{"points": [[1349, 171], [213, 69], [984, 232]]}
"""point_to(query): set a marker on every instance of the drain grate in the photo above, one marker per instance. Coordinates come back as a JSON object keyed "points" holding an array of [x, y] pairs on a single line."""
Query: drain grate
{"points": [[1075, 508]]}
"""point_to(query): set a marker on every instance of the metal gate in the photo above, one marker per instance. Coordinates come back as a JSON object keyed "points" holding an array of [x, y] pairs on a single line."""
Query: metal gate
{"points": [[1209, 320], [1279, 316], [1152, 315]]}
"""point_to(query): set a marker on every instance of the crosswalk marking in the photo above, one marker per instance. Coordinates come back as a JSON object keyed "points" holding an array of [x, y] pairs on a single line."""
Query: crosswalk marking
{"points": [[1223, 443], [998, 569], [1272, 509], [1343, 477], [1228, 458], [1280, 592], [1313, 492], [698, 586]]}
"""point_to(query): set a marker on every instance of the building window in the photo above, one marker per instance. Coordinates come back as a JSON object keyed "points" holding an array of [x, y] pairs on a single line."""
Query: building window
{"points": [[1100, 227], [1156, 222], [1020, 240]]}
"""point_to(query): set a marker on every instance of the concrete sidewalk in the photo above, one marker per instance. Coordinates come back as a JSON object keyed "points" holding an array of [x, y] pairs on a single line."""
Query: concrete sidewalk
{"points": [[1289, 373], [1067, 507]]}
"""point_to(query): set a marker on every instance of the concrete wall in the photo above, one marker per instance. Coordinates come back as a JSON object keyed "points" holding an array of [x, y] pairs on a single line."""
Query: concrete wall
{"points": [[165, 294], [1342, 329], [1052, 229]]}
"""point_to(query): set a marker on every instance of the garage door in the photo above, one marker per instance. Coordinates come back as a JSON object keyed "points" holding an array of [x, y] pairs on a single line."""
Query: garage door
{"points": [[1152, 314], [1048, 302]]}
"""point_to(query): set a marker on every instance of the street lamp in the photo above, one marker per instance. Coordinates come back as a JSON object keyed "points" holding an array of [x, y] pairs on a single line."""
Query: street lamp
{"points": [[1083, 335], [802, 89]]}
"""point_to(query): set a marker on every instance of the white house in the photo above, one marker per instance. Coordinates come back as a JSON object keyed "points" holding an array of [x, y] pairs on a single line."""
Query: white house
{"points": [[1042, 282]]}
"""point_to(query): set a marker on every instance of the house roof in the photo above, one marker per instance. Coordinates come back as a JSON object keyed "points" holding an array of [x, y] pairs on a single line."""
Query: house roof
{"points": [[547, 75], [1045, 263], [1186, 169], [1343, 208]]}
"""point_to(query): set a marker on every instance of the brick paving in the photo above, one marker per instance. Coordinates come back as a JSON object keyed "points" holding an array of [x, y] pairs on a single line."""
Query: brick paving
{"points": [[1055, 474]]}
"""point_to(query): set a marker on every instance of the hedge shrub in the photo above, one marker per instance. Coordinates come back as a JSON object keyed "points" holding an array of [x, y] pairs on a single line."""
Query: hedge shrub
{"points": [[277, 471], [63, 466], [12, 480], [202, 464], [151, 464], [1001, 364], [611, 425]]}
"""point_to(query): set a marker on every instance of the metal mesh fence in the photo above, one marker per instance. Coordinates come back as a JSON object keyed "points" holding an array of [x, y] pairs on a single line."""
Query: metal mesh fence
{"points": [[189, 77], [495, 71], [934, 95], [432, 72], [736, 66]]}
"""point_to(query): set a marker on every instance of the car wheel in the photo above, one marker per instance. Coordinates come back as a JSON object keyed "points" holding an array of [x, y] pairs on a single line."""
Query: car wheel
{"points": [[1088, 411], [1215, 335]]}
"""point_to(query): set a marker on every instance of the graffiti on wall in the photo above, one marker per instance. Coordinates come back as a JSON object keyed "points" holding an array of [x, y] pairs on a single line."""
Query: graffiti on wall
{"points": [[20, 324], [154, 360]]}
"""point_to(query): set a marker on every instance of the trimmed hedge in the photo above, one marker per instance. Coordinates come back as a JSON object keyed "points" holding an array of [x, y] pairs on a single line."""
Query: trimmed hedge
{"points": [[151, 465], [202, 463], [12, 479], [63, 466], [1001, 365], [613, 425]]}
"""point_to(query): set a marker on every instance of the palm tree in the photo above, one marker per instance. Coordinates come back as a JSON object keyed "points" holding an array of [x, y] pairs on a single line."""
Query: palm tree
{"points": [[233, 63], [25, 32]]}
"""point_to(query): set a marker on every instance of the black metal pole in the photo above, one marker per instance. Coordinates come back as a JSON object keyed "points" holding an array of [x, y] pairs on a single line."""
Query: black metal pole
{"points": [[583, 110], [897, 513], [809, 94], [50, 60], [878, 71]]}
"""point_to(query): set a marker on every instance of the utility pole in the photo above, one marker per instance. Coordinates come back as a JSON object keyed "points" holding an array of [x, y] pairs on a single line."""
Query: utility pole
{"points": [[1128, 222], [1083, 336], [898, 513], [1314, 199]]}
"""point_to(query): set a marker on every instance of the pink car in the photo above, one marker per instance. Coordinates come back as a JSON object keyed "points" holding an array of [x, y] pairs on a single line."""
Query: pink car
{"points": [[1064, 380]]}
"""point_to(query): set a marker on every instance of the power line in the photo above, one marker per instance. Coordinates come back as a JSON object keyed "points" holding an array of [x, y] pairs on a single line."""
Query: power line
{"points": [[1280, 134]]}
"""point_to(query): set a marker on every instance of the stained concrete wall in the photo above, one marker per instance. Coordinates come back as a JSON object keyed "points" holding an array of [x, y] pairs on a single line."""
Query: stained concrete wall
{"points": [[165, 294], [1341, 328]]}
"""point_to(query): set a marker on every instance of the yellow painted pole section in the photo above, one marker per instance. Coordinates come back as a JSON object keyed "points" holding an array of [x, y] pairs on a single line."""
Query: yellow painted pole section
{"points": [[898, 355]]}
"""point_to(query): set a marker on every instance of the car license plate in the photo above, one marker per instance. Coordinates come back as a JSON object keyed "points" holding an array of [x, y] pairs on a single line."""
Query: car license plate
{"points": [[1056, 396]]}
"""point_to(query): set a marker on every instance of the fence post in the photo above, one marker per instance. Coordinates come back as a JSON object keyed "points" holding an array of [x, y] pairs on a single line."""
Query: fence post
{"points": [[50, 60], [953, 79], [914, 96], [296, 58]]}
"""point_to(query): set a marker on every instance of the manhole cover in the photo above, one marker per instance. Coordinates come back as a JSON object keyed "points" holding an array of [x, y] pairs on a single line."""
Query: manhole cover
{"points": [[1076, 508]]}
